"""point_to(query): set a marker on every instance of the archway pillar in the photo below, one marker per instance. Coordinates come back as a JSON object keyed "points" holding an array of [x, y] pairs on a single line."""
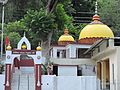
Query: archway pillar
{"points": [[8, 77], [38, 73], [38, 70], [8, 70]]}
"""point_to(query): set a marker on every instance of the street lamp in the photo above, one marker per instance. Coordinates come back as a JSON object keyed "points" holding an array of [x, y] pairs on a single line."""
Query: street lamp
{"points": [[3, 3]]}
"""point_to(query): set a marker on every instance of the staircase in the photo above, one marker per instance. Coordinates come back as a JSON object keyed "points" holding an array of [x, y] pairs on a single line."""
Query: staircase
{"points": [[23, 79]]}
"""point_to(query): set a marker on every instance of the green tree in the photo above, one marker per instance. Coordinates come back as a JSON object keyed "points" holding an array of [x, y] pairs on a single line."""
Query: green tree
{"points": [[48, 19], [42, 23], [17, 26], [14, 30], [14, 38], [110, 13]]}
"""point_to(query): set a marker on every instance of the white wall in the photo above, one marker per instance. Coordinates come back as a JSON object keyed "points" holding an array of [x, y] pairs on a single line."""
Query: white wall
{"points": [[76, 83], [67, 70], [2, 79], [88, 70], [50, 82]]}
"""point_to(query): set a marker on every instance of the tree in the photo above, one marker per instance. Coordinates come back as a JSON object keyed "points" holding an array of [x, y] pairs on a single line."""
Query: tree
{"points": [[14, 30], [14, 38], [42, 23], [110, 13]]}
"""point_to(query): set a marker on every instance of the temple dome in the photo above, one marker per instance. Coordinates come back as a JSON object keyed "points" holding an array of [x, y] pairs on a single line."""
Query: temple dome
{"points": [[65, 38], [96, 29]]}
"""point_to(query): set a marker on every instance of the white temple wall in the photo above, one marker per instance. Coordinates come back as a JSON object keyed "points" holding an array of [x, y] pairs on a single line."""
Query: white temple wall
{"points": [[117, 70], [67, 70], [50, 82], [2, 79], [88, 70]]}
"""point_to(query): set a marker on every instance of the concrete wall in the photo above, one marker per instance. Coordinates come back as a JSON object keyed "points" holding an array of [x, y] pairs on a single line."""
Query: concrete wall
{"points": [[68, 61], [76, 83], [48, 82], [69, 83], [88, 70], [2, 79], [67, 70]]}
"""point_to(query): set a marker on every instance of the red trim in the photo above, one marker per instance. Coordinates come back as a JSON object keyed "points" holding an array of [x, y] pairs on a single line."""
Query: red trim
{"points": [[27, 63], [65, 42], [17, 63], [89, 41]]}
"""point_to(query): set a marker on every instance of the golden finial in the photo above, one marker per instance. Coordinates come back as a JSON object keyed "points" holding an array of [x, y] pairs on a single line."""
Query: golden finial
{"points": [[66, 31], [39, 48], [8, 47]]}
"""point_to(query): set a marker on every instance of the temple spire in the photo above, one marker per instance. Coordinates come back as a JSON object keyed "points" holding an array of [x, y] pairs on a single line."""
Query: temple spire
{"points": [[39, 44], [96, 7], [24, 34]]}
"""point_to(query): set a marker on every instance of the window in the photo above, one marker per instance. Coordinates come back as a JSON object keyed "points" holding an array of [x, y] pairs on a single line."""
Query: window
{"points": [[80, 53], [58, 54]]}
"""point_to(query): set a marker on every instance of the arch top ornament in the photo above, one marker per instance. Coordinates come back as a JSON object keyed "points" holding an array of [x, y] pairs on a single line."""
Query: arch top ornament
{"points": [[24, 40]]}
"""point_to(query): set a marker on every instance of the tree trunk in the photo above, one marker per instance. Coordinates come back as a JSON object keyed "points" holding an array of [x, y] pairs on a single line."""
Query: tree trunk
{"points": [[48, 6], [46, 47], [54, 5]]}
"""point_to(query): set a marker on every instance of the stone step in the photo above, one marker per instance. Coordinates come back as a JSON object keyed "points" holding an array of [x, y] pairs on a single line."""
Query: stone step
{"points": [[22, 78]]}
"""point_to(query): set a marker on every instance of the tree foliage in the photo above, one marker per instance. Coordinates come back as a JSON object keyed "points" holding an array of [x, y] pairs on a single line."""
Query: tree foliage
{"points": [[110, 13], [42, 20], [14, 30], [39, 22]]}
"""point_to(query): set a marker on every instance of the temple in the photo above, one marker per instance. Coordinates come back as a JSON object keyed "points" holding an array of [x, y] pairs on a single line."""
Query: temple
{"points": [[89, 63]]}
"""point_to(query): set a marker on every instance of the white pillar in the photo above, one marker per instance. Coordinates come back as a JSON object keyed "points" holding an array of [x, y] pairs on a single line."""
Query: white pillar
{"points": [[111, 42], [54, 53], [118, 69], [60, 54]]}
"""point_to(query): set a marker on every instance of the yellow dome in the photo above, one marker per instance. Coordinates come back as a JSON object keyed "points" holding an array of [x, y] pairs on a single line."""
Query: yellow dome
{"points": [[38, 48], [96, 29], [66, 37]]}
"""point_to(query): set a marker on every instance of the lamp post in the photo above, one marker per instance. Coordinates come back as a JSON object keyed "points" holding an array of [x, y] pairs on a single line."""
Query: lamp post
{"points": [[3, 3]]}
